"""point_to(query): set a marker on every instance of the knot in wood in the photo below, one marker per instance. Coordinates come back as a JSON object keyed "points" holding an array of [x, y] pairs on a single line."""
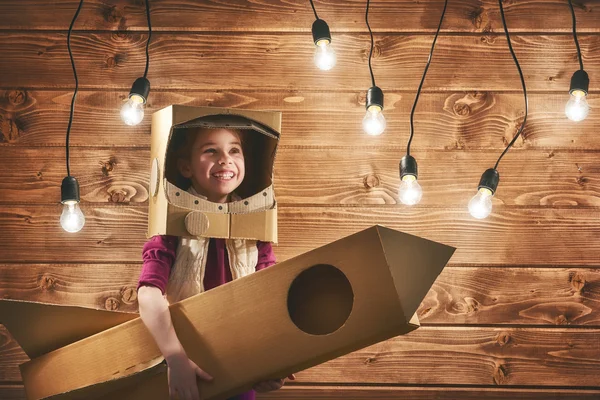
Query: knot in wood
{"points": [[500, 375], [361, 98], [107, 166], [118, 196], [578, 281], [112, 304], [370, 181], [472, 304], [47, 283], [503, 338], [370, 360], [111, 14], [16, 97], [561, 320], [128, 295], [9, 131], [461, 109]]}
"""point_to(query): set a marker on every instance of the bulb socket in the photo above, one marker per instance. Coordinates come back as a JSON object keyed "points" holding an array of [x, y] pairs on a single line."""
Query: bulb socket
{"points": [[580, 81], [320, 31], [375, 97], [141, 87], [69, 190], [408, 166], [489, 180]]}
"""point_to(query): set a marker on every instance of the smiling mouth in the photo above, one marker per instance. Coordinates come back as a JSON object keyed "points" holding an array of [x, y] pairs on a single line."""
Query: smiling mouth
{"points": [[224, 176]]}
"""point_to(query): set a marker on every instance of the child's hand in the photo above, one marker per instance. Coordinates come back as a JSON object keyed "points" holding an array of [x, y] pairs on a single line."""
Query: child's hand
{"points": [[273, 384], [182, 374]]}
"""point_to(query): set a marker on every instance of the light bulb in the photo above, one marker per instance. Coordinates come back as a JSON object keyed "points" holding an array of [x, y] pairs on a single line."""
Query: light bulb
{"points": [[480, 205], [374, 122], [132, 111], [324, 55], [410, 192], [577, 108], [72, 219]]}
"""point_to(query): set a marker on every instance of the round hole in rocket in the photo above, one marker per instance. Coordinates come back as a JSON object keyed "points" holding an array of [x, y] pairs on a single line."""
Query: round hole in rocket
{"points": [[320, 300]]}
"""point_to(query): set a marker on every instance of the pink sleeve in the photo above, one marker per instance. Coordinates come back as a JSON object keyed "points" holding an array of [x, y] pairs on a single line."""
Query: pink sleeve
{"points": [[266, 256], [158, 255]]}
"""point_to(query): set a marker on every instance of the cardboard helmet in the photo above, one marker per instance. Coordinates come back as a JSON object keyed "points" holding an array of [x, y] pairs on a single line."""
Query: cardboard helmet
{"points": [[175, 211]]}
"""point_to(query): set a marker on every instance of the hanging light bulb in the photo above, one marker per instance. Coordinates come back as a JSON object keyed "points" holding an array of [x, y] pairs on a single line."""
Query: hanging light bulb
{"points": [[132, 111], [410, 192], [71, 219], [480, 205], [374, 122], [324, 53], [577, 108]]}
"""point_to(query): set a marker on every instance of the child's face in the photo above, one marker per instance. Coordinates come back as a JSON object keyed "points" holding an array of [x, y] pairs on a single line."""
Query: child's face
{"points": [[216, 167]]}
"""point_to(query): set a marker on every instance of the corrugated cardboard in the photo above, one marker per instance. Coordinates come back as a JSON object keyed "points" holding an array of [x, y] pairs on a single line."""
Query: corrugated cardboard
{"points": [[254, 216], [336, 299]]}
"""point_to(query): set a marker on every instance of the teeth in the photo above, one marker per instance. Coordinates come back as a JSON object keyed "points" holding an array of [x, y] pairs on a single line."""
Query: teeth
{"points": [[227, 175]]}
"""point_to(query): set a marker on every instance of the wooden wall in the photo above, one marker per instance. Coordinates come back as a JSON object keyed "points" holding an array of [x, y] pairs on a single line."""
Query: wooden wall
{"points": [[516, 314]]}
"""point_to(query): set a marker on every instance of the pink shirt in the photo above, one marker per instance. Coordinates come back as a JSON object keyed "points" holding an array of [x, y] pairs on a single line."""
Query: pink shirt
{"points": [[159, 255]]}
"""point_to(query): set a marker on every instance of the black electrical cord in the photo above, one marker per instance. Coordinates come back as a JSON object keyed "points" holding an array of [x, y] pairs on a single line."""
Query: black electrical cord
{"points": [[412, 112], [76, 86], [371, 53], [512, 52], [314, 10], [575, 35], [149, 37]]}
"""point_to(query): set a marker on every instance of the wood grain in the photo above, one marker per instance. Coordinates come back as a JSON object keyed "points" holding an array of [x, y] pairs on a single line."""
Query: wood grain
{"points": [[294, 16], [476, 356], [285, 62], [457, 120], [459, 356], [523, 236], [329, 176], [460, 296], [296, 392], [109, 287]]}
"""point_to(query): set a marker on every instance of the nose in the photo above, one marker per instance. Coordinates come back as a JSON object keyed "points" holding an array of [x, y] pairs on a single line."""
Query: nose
{"points": [[225, 158]]}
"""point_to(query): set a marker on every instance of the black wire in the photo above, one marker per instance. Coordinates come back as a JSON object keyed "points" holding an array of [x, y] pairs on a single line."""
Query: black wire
{"points": [[76, 86], [412, 112], [575, 35], [149, 37], [512, 52], [371, 53], [313, 7]]}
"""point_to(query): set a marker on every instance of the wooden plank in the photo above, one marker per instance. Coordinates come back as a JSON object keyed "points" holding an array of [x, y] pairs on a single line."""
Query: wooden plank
{"points": [[456, 120], [285, 62], [522, 236], [297, 392], [330, 176], [101, 286], [511, 296], [207, 15], [459, 356], [471, 356], [460, 295]]}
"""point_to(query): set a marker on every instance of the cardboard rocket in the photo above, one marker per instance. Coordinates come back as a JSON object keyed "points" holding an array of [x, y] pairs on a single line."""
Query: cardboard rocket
{"points": [[333, 300], [174, 211]]}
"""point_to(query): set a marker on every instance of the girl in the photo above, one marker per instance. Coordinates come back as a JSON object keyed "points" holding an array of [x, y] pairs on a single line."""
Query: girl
{"points": [[213, 160]]}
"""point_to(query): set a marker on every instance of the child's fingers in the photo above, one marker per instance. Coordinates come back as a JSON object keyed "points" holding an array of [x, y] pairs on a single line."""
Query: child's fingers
{"points": [[292, 377], [203, 375]]}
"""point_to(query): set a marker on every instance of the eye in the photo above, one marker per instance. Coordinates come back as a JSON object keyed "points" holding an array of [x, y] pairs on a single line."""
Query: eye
{"points": [[210, 150], [235, 150]]}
